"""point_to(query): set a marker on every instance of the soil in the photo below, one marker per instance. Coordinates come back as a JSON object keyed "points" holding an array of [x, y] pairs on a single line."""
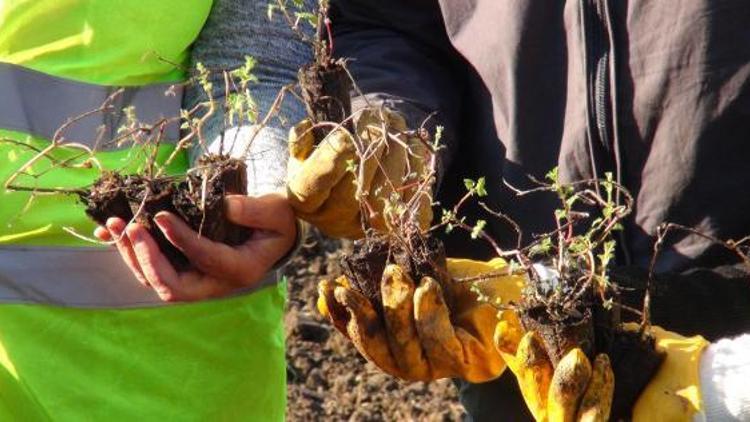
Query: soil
{"points": [[149, 197], [202, 207], [421, 256], [595, 329], [559, 337], [325, 91], [634, 362], [365, 264], [106, 199], [198, 200], [327, 378]]}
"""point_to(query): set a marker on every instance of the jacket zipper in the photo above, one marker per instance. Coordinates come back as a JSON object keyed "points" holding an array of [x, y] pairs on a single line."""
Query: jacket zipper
{"points": [[599, 60], [597, 49]]}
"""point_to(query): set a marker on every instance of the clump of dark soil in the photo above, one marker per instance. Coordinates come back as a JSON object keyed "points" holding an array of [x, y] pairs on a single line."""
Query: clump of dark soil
{"points": [[327, 379], [420, 255], [198, 200], [325, 91], [325, 83], [588, 324], [147, 198], [561, 336], [634, 362], [107, 198], [365, 265]]}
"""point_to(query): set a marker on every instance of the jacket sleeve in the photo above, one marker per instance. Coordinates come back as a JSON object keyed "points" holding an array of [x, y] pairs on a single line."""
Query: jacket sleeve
{"points": [[236, 29], [400, 57]]}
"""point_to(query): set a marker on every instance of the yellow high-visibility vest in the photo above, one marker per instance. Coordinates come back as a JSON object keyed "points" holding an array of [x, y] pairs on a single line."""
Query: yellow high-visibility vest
{"points": [[80, 338]]}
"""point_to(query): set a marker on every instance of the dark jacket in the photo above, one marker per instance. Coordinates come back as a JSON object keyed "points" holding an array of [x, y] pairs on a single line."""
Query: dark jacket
{"points": [[655, 91]]}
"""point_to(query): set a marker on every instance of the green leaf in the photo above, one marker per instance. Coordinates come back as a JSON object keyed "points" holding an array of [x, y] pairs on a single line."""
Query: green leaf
{"points": [[351, 166], [245, 72], [469, 184], [481, 188], [447, 216], [552, 175], [476, 231], [578, 244], [310, 18], [607, 253], [513, 267], [269, 12], [541, 248], [203, 75], [438, 136]]}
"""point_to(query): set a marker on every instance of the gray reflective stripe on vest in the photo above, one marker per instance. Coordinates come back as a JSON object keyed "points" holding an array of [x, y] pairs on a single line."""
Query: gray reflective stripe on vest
{"points": [[77, 277], [39, 104]]}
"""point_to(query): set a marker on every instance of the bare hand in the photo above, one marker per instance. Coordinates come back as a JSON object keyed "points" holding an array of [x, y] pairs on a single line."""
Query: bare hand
{"points": [[219, 269]]}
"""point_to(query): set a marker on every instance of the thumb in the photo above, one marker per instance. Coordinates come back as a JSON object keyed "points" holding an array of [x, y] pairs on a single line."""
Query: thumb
{"points": [[534, 375], [508, 334], [301, 140], [568, 385], [267, 212]]}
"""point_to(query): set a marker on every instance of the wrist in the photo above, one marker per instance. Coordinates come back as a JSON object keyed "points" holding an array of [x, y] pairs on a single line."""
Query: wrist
{"points": [[301, 231]]}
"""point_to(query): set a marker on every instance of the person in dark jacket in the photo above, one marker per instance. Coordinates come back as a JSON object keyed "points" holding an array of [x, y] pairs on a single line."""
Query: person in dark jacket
{"points": [[655, 92]]}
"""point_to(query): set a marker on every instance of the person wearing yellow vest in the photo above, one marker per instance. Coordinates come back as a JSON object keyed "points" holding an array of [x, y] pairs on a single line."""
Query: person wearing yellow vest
{"points": [[80, 337]]}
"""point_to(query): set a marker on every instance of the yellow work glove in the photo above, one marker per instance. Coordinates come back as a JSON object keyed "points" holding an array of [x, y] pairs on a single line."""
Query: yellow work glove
{"points": [[321, 183], [576, 390], [418, 337]]}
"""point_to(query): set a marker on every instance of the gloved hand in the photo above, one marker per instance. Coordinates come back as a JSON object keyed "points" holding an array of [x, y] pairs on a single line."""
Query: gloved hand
{"points": [[419, 338], [578, 390], [322, 188]]}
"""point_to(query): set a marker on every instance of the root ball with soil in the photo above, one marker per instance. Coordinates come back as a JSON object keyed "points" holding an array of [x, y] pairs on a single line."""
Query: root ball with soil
{"points": [[569, 300], [325, 83], [198, 199], [418, 254], [593, 324]]}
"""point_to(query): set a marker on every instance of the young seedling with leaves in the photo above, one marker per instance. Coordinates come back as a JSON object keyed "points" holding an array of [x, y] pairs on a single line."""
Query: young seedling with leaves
{"points": [[395, 211], [137, 193], [569, 300], [325, 83], [389, 168]]}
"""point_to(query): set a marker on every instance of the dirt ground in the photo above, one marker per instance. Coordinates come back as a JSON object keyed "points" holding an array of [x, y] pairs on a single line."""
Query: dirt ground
{"points": [[327, 379]]}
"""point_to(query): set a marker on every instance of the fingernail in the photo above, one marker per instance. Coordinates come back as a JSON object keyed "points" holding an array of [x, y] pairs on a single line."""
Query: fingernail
{"points": [[114, 228], [135, 235], [165, 295], [162, 220]]}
